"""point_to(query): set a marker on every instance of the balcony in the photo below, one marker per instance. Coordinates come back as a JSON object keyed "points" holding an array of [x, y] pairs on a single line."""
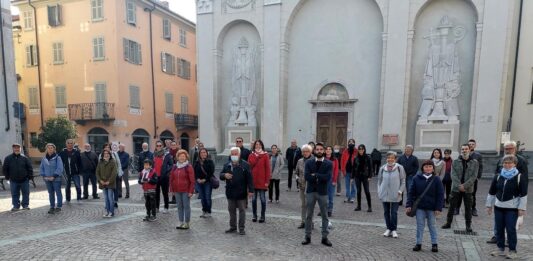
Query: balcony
{"points": [[81, 113], [185, 121]]}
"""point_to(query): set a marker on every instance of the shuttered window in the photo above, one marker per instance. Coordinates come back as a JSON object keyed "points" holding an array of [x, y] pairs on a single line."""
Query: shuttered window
{"points": [[183, 38], [58, 53], [61, 97], [184, 104], [169, 102], [98, 48], [54, 15], [33, 94], [167, 29], [132, 51], [28, 19], [31, 55], [97, 10], [131, 16], [184, 69], [135, 99]]}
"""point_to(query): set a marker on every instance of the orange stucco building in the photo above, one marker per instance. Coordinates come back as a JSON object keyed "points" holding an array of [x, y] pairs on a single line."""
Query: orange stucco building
{"points": [[122, 70]]}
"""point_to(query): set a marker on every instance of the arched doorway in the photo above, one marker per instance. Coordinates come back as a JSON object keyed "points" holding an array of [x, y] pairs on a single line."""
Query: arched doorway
{"points": [[166, 135], [97, 137], [184, 139], [139, 136]]}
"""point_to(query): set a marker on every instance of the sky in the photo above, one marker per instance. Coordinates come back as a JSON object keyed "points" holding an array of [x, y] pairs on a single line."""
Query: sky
{"points": [[185, 8]]}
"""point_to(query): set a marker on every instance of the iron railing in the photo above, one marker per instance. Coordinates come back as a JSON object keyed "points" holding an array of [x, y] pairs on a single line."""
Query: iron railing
{"points": [[82, 112], [185, 120]]}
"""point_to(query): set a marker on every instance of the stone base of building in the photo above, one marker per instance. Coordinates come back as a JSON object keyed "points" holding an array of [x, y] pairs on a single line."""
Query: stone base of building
{"points": [[247, 133], [436, 135]]}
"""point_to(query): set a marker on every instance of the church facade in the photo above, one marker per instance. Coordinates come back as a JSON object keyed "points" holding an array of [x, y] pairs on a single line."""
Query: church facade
{"points": [[432, 73]]}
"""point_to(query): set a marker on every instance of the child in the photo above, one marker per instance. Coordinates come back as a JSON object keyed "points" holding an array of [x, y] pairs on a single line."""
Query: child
{"points": [[148, 180]]}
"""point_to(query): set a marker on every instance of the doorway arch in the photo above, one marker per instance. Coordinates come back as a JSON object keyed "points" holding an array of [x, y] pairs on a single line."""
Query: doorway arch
{"points": [[97, 137], [184, 140], [139, 136]]}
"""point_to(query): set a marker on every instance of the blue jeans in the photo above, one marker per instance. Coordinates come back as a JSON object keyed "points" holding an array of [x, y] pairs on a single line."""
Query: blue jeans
{"points": [[506, 222], [77, 183], [205, 194], [408, 182], [184, 206], [391, 215], [54, 190], [109, 197], [421, 216], [331, 194], [350, 186], [261, 194], [16, 189]]}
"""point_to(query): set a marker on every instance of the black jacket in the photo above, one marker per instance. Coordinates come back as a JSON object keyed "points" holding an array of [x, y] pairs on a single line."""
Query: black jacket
{"points": [[89, 162], [17, 168], [292, 156], [209, 168], [376, 155], [477, 156], [362, 167], [319, 181], [74, 166], [142, 156], [241, 184]]}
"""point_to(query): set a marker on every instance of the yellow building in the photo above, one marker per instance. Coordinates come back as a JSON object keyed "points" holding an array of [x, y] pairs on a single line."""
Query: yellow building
{"points": [[122, 70]]}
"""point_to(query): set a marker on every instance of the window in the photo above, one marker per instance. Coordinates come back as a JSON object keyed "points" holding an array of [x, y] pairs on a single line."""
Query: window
{"points": [[33, 95], [98, 48], [168, 63], [184, 104], [61, 97], [183, 38], [184, 69], [169, 102], [28, 19], [167, 29], [33, 136], [135, 100], [97, 10], [54, 15], [58, 53], [31, 55], [131, 16], [132, 51], [100, 92]]}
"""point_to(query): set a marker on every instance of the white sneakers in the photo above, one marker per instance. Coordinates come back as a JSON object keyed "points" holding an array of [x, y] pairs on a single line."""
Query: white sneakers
{"points": [[164, 211], [389, 233]]}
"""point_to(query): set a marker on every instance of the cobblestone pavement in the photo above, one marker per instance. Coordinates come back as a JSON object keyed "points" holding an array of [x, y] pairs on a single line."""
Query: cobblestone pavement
{"points": [[80, 233]]}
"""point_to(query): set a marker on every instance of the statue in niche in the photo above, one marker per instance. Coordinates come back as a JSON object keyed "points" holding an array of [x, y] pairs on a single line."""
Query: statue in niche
{"points": [[442, 74], [243, 84]]}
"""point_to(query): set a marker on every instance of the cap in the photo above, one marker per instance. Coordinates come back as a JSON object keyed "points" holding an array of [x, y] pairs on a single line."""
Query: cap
{"points": [[16, 145]]}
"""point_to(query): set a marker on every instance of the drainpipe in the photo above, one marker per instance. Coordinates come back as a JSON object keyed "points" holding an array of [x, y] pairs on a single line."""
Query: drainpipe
{"points": [[38, 62], [509, 122], [150, 10], [8, 127]]}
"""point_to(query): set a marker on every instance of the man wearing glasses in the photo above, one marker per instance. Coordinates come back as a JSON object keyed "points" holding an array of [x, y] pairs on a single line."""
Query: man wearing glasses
{"points": [[245, 153], [510, 149]]}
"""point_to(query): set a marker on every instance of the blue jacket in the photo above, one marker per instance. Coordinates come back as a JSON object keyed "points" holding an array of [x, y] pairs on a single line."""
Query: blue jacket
{"points": [[410, 165], [52, 167], [434, 198], [124, 159], [319, 181]]}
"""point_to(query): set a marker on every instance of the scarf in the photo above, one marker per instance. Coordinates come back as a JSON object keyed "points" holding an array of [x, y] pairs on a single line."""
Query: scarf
{"points": [[182, 165], [427, 176], [390, 167], [436, 161], [159, 153], [49, 157], [509, 174], [173, 153]]}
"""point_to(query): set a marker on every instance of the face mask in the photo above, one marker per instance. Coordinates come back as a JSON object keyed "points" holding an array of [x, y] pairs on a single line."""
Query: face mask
{"points": [[234, 158], [351, 146], [336, 151], [466, 155]]}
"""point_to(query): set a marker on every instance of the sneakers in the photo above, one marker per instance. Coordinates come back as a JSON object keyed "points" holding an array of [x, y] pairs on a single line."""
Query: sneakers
{"points": [[357, 209], [306, 241], [57, 210], [207, 215], [106, 215], [492, 240], [164, 211], [147, 218], [326, 242], [394, 234], [511, 255], [185, 226], [51, 211], [242, 233], [203, 215], [498, 252], [434, 248], [474, 212], [387, 233], [230, 231], [446, 226], [26, 208], [277, 201], [15, 209], [417, 247], [153, 218], [338, 194], [302, 225]]}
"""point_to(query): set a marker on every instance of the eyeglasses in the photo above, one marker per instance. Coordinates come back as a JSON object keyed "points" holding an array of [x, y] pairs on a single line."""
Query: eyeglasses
{"points": [[510, 148], [239, 141], [159, 145]]}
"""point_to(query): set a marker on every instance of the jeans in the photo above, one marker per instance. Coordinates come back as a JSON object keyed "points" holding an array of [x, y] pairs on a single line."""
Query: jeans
{"points": [[54, 190], [506, 222], [350, 186], [149, 203], [261, 194], [331, 194], [274, 185], [233, 205], [364, 182], [391, 215], [109, 198], [77, 184], [421, 216], [162, 186], [16, 189], [311, 199], [89, 176], [456, 198], [184, 207], [205, 191]]}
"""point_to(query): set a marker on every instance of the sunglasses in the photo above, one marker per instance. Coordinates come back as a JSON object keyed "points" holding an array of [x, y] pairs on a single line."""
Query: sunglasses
{"points": [[159, 145]]}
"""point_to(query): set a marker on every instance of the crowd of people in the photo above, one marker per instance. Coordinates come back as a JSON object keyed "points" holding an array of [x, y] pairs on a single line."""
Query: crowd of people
{"points": [[439, 182]]}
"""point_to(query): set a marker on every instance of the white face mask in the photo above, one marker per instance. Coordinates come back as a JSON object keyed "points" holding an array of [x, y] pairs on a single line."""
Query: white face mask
{"points": [[234, 158], [336, 151]]}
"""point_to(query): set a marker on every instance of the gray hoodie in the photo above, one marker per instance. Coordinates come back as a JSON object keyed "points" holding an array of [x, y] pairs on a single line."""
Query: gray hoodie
{"points": [[390, 183]]}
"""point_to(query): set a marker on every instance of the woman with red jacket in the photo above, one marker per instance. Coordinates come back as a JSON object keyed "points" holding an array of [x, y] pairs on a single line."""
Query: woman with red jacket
{"points": [[347, 168], [260, 168], [182, 184]]}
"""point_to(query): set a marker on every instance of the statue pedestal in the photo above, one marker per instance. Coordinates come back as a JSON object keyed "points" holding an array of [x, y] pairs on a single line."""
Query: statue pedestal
{"points": [[430, 135], [248, 134]]}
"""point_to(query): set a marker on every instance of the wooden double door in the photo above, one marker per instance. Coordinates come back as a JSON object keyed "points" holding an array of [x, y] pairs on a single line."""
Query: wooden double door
{"points": [[332, 128]]}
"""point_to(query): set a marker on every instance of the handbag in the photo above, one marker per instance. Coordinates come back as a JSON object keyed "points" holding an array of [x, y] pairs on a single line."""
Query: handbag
{"points": [[215, 183], [414, 207]]}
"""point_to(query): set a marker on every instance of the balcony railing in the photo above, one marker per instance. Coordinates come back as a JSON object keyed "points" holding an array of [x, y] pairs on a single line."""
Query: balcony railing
{"points": [[185, 121], [83, 112]]}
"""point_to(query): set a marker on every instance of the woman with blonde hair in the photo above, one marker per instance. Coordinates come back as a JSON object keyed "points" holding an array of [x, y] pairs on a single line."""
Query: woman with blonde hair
{"points": [[51, 170], [182, 184]]}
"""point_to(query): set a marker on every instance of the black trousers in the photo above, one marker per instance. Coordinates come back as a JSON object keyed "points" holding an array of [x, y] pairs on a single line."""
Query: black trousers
{"points": [[473, 197], [289, 182], [274, 185], [448, 189], [149, 203], [162, 186], [456, 199], [376, 165], [358, 182]]}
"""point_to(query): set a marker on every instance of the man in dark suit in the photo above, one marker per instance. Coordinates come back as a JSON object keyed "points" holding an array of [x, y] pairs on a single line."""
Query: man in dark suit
{"points": [[317, 174]]}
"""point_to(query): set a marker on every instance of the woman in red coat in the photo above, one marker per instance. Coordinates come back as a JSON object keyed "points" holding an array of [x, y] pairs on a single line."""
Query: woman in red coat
{"points": [[182, 184], [260, 168]]}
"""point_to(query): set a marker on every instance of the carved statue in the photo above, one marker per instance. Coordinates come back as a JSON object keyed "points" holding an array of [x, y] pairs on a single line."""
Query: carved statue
{"points": [[442, 75], [243, 83]]}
